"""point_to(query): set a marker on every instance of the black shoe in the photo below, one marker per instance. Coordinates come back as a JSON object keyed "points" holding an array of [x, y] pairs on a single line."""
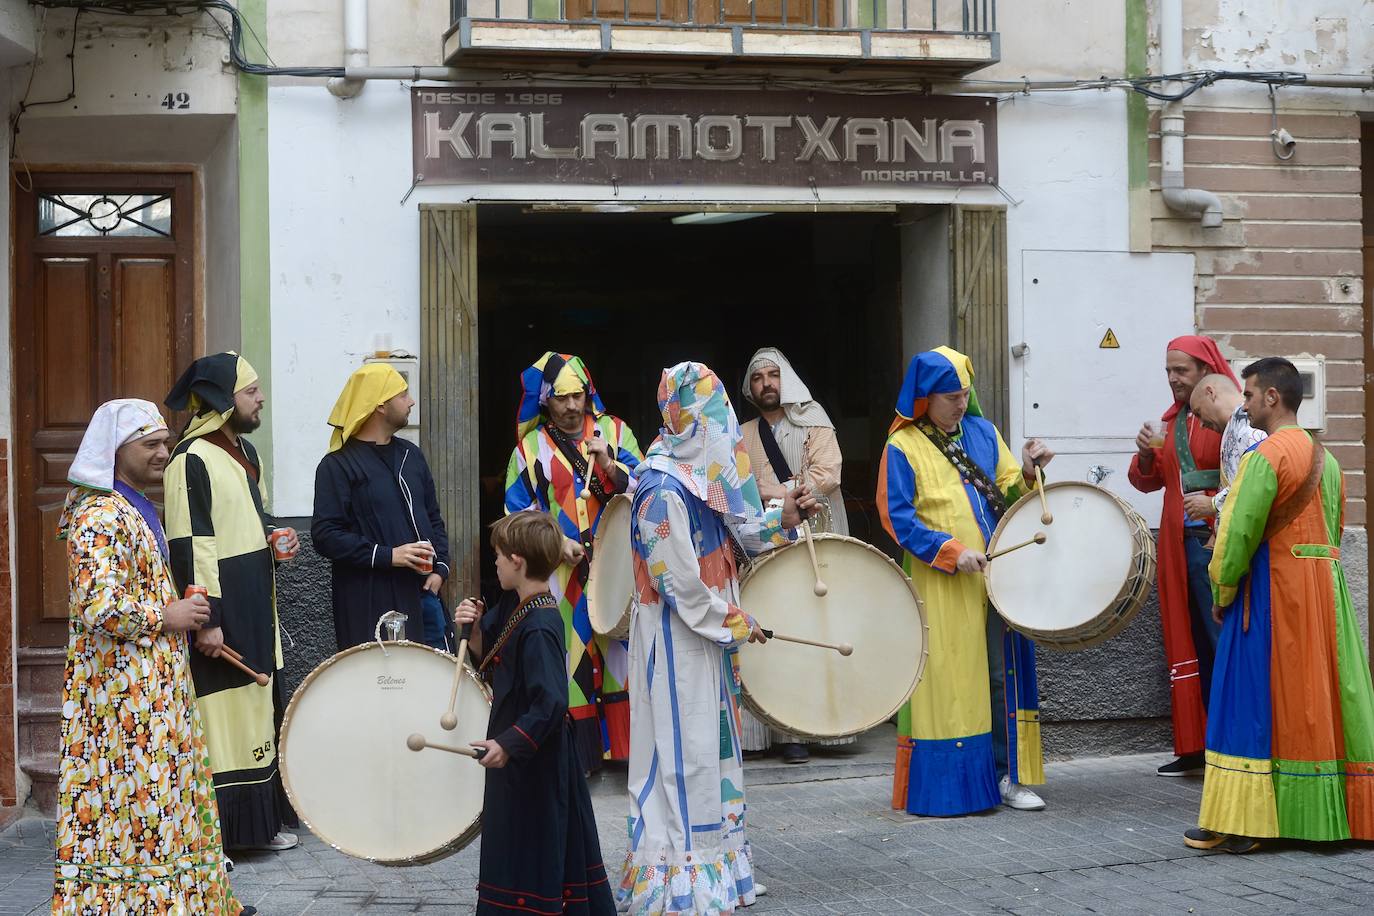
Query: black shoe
{"points": [[1238, 845], [249, 911], [795, 753], [1197, 838], [1187, 765]]}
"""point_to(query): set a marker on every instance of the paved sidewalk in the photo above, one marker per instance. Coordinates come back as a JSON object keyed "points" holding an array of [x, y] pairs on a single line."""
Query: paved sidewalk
{"points": [[825, 841]]}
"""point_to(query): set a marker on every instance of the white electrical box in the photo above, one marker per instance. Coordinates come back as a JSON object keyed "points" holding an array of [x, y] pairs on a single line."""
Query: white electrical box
{"points": [[1312, 413], [409, 368]]}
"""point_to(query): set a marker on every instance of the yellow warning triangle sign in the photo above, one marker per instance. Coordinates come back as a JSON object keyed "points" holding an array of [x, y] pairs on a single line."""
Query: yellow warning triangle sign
{"points": [[1109, 341]]}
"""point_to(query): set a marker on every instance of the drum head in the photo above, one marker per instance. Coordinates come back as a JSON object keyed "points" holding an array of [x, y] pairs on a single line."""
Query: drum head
{"points": [[1080, 570], [871, 605], [611, 580], [347, 769]]}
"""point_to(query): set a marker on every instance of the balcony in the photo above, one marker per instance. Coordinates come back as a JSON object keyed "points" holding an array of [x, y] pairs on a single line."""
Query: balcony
{"points": [[918, 38]]}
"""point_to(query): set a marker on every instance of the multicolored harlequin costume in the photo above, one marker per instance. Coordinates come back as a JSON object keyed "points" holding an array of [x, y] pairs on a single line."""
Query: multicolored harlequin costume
{"points": [[1290, 729], [543, 473], [688, 852], [137, 822], [975, 716]]}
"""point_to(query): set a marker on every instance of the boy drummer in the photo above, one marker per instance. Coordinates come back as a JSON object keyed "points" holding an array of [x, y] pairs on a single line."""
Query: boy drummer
{"points": [[540, 849]]}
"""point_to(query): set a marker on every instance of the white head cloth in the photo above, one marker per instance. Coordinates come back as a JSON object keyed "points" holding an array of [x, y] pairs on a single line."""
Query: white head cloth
{"points": [[796, 397], [115, 423]]}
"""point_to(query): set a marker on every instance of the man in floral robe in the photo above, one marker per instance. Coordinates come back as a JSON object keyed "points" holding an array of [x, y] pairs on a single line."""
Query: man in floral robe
{"points": [[137, 823]]}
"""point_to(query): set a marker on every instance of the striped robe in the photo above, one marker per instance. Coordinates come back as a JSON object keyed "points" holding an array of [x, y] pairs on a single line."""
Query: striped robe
{"points": [[1290, 729]]}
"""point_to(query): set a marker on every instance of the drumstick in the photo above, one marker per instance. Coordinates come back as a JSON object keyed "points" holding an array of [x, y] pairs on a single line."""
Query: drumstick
{"points": [[843, 648], [820, 588], [449, 720], [417, 742], [1038, 539], [587, 483], [1046, 518], [233, 658]]}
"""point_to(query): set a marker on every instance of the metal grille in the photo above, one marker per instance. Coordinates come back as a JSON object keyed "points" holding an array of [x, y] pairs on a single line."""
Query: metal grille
{"points": [[952, 16]]}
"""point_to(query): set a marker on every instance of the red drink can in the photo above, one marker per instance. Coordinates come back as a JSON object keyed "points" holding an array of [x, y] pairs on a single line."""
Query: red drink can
{"points": [[277, 537], [194, 589], [427, 564]]}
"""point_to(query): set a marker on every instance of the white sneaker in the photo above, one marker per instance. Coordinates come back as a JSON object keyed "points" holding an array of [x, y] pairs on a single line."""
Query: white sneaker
{"points": [[1015, 795], [281, 841], [760, 890]]}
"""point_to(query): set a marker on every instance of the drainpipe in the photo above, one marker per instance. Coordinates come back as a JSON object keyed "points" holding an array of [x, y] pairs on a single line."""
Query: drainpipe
{"points": [[1193, 201], [355, 49]]}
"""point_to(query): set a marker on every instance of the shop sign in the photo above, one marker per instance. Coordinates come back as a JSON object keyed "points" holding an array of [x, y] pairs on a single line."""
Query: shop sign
{"points": [[717, 137]]}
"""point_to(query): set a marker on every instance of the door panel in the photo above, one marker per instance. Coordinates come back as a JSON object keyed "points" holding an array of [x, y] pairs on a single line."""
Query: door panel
{"points": [[144, 329], [67, 329], [104, 299]]}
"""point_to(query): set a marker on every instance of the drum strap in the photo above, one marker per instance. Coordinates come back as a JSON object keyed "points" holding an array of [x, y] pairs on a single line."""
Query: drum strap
{"points": [[517, 617], [781, 469], [574, 455], [1192, 478], [968, 469]]}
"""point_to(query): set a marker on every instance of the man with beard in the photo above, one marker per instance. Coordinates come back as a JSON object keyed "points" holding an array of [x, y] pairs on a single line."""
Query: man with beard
{"points": [[570, 458], [377, 515], [1187, 462], [217, 534], [792, 440]]}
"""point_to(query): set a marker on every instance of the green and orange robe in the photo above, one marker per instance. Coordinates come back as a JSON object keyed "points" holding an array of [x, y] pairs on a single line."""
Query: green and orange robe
{"points": [[1290, 732]]}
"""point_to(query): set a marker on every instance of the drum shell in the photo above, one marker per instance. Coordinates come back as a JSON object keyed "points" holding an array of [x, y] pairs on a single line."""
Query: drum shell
{"points": [[610, 585], [302, 768], [1117, 613], [873, 691]]}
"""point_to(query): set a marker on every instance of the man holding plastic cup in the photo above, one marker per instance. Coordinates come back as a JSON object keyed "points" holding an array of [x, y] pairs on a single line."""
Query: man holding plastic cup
{"points": [[1186, 461]]}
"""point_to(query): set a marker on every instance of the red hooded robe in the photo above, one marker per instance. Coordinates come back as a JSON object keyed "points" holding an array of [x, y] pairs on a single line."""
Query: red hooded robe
{"points": [[1185, 685]]}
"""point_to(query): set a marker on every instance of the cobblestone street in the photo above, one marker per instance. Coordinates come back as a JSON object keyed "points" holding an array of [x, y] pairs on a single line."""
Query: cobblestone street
{"points": [[825, 841]]}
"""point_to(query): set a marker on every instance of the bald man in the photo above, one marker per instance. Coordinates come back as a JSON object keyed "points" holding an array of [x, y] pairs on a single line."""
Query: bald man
{"points": [[1219, 405]]}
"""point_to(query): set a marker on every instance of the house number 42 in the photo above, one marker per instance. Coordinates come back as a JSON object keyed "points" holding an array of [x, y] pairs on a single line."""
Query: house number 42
{"points": [[176, 100]]}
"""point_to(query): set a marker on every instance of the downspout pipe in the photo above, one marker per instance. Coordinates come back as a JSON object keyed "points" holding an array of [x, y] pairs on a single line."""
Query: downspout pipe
{"points": [[355, 50], [1193, 201]]}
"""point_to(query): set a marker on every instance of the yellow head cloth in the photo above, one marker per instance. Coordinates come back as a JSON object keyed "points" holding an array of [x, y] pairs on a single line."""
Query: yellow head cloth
{"points": [[568, 381], [366, 390]]}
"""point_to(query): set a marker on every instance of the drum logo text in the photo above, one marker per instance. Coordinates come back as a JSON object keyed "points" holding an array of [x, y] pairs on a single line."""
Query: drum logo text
{"points": [[387, 682]]}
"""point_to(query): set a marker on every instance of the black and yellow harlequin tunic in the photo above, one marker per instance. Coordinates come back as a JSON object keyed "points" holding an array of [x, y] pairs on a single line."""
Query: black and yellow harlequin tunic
{"points": [[217, 535]]}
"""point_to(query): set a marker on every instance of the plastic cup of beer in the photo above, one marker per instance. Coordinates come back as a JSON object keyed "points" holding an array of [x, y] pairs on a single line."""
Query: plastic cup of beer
{"points": [[1156, 429], [277, 538], [427, 564]]}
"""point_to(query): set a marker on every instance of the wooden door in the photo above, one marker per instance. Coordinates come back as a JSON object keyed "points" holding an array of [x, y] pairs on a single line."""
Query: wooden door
{"points": [[104, 308], [978, 249], [448, 381]]}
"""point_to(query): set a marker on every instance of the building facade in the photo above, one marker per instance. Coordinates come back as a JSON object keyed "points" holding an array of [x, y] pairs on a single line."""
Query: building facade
{"points": [[852, 181]]}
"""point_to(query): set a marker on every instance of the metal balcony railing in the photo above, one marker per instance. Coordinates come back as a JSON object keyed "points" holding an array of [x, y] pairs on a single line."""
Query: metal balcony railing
{"points": [[967, 17]]}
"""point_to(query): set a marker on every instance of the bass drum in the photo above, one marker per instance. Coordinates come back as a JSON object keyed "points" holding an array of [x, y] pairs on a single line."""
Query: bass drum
{"points": [[611, 578], [347, 769], [871, 604], [1088, 580]]}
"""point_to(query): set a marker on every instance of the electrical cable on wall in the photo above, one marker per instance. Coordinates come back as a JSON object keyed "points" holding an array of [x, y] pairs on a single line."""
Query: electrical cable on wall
{"points": [[1153, 87]]}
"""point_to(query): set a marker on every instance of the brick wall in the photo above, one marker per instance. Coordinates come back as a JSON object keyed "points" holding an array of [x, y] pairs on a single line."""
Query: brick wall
{"points": [[8, 772], [1282, 276]]}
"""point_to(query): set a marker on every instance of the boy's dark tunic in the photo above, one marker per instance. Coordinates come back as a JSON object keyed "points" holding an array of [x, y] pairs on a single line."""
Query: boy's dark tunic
{"points": [[540, 850]]}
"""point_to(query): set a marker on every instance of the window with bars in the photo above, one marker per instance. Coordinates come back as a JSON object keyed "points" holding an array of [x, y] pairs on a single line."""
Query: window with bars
{"points": [[118, 214]]}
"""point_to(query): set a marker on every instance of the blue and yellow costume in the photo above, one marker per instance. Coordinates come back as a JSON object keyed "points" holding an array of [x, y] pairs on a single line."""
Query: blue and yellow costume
{"points": [[975, 716]]}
